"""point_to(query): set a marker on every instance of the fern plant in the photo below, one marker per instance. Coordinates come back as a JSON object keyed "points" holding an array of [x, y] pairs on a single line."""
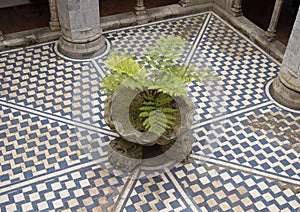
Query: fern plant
{"points": [[159, 76], [156, 112]]}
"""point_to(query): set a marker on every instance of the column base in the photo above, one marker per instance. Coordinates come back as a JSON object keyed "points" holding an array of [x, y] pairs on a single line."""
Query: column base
{"points": [[54, 26], [185, 3], [236, 13], [82, 50], [270, 35], [286, 90], [140, 10]]}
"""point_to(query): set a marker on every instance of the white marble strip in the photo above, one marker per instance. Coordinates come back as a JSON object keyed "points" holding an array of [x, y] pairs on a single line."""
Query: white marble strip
{"points": [[126, 191], [245, 169], [191, 204], [226, 116], [102, 74], [198, 38], [58, 118]]}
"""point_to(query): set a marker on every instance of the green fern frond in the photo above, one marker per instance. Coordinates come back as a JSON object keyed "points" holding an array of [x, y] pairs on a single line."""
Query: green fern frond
{"points": [[110, 83], [170, 117], [122, 62], [170, 84], [156, 116], [168, 110], [144, 114], [147, 108], [149, 103], [163, 99]]}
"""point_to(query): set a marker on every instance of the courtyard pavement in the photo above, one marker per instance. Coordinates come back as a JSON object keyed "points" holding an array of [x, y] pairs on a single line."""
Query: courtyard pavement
{"points": [[54, 141]]}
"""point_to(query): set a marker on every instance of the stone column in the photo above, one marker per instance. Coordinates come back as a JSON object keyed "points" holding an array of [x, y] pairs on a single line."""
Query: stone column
{"points": [[54, 23], [286, 87], [271, 32], [1, 36], [237, 8], [140, 9], [80, 26], [184, 3]]}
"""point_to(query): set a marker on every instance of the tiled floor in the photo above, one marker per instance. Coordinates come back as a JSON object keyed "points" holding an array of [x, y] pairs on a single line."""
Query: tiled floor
{"points": [[54, 141]]}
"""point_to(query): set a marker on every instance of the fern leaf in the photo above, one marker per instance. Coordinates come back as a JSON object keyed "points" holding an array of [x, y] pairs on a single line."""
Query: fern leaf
{"points": [[168, 110], [170, 117], [162, 100], [144, 114], [149, 103]]}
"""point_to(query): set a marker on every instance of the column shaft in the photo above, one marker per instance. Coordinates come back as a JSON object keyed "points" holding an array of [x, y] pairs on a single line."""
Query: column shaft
{"points": [[140, 9], [286, 87], [271, 32], [184, 3], [237, 8], [54, 23], [80, 26]]}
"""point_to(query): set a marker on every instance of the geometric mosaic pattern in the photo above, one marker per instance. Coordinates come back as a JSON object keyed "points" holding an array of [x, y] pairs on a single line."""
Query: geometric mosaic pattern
{"points": [[244, 142], [54, 141], [151, 195], [219, 189], [31, 144], [243, 69], [35, 77]]}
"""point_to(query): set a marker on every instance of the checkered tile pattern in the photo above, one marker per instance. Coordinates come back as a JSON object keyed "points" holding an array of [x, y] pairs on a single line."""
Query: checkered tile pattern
{"points": [[244, 71], [221, 189], [151, 195], [57, 160], [82, 188], [31, 144], [251, 140], [137, 39], [93, 144], [36, 77], [277, 124], [87, 99]]}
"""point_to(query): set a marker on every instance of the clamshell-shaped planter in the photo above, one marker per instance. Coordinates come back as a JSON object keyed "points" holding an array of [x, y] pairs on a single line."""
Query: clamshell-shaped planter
{"points": [[116, 115]]}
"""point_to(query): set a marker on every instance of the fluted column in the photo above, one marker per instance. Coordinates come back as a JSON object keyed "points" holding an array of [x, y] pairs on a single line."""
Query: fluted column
{"points": [[140, 9], [54, 23], [237, 8], [1, 36], [80, 26], [286, 87], [271, 32], [184, 3]]}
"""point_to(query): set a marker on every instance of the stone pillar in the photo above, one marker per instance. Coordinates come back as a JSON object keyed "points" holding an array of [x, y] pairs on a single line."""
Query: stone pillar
{"points": [[184, 3], [80, 26], [237, 8], [140, 9], [1, 36], [271, 32], [54, 23], [286, 87]]}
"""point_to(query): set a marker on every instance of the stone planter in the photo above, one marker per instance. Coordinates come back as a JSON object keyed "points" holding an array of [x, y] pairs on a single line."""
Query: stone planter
{"points": [[179, 140]]}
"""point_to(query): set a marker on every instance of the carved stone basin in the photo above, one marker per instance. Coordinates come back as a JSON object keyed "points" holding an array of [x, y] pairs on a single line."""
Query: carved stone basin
{"points": [[116, 115]]}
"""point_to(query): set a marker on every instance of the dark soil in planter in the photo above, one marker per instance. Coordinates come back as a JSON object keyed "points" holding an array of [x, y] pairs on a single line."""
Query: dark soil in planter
{"points": [[151, 151]]}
